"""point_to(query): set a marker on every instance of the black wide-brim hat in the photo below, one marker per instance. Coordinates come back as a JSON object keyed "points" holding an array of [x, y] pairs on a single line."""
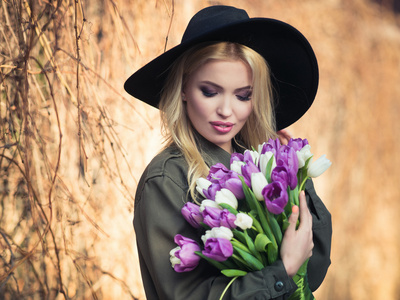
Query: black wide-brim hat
{"points": [[291, 59]]}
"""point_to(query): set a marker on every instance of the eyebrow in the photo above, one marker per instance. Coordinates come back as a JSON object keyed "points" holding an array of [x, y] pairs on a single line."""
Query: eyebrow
{"points": [[220, 87]]}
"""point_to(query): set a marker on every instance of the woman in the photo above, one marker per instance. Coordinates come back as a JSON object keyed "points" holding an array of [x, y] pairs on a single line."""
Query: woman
{"points": [[231, 83]]}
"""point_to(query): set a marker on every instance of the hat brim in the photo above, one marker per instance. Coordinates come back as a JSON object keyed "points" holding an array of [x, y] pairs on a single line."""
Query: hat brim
{"points": [[291, 59]]}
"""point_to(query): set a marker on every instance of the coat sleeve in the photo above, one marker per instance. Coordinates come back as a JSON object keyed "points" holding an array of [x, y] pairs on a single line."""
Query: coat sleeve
{"points": [[157, 220], [322, 236]]}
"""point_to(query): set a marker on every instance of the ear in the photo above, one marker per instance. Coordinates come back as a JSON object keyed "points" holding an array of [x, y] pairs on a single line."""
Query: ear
{"points": [[183, 97]]}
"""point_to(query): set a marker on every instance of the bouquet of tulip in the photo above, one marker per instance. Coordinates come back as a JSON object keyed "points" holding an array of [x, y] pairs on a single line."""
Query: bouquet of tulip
{"points": [[246, 209]]}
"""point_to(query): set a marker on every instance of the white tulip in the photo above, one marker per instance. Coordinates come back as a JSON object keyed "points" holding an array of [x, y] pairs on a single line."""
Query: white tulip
{"points": [[243, 221], [258, 182], [236, 166], [206, 236], [226, 196], [201, 184], [303, 155], [222, 232], [173, 259], [208, 202], [264, 159], [255, 156], [260, 146], [217, 232], [318, 167]]}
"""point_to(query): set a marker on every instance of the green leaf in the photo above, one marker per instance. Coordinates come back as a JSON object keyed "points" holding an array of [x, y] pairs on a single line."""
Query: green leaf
{"points": [[252, 248], [262, 215], [261, 242], [233, 273], [251, 261], [229, 208], [239, 235], [272, 253], [274, 226], [236, 244], [240, 262], [256, 223], [303, 269], [217, 264], [285, 224], [307, 162], [205, 226], [291, 202], [247, 194], [269, 167]]}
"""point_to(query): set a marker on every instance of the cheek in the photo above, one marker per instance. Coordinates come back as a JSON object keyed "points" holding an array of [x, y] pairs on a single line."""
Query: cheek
{"points": [[198, 107], [194, 114], [245, 111]]}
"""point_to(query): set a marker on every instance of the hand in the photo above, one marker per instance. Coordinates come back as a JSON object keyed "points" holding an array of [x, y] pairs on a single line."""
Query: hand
{"points": [[297, 244], [284, 136]]}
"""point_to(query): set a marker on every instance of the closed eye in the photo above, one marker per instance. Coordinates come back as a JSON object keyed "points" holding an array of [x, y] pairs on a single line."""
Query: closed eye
{"points": [[208, 93], [245, 97]]}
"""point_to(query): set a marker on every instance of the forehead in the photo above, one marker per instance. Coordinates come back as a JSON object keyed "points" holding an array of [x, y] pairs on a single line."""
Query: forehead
{"points": [[223, 71]]}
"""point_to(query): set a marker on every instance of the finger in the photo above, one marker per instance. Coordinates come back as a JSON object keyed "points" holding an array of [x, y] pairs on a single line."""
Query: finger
{"points": [[284, 136], [285, 133], [305, 216], [293, 217]]}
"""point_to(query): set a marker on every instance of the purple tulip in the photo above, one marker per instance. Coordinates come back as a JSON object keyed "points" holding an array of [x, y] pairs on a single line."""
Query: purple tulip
{"points": [[217, 172], [188, 259], [227, 219], [297, 144], [280, 173], [215, 217], [218, 249], [191, 213], [292, 178], [212, 190], [287, 176], [236, 157], [212, 216], [287, 158], [252, 156], [266, 147], [272, 146], [234, 184], [275, 196], [248, 169]]}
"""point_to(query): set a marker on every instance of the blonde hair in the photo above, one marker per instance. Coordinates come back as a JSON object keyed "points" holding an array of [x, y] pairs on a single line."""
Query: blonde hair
{"points": [[177, 128]]}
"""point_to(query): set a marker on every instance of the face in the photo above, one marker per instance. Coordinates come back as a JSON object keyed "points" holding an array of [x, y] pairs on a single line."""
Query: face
{"points": [[218, 100]]}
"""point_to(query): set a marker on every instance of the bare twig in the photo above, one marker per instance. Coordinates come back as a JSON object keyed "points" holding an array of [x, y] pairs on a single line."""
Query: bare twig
{"points": [[170, 23]]}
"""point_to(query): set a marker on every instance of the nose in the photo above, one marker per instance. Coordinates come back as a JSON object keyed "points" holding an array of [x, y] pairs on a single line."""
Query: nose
{"points": [[224, 108]]}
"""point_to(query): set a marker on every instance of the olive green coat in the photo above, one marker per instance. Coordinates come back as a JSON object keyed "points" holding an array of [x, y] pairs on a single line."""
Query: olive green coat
{"points": [[161, 193]]}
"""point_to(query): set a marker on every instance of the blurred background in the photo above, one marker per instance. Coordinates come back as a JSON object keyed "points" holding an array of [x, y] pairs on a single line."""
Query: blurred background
{"points": [[73, 144]]}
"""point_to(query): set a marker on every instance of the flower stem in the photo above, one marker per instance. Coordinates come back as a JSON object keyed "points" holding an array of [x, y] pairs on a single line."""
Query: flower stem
{"points": [[303, 183], [227, 287]]}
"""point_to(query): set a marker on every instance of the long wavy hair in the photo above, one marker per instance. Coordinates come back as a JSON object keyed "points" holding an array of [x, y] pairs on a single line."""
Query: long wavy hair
{"points": [[177, 128]]}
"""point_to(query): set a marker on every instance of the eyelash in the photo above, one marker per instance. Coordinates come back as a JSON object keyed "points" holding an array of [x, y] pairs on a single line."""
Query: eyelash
{"points": [[244, 98], [206, 93]]}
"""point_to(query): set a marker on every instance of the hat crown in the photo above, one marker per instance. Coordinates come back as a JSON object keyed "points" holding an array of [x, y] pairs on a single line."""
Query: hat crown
{"points": [[213, 18]]}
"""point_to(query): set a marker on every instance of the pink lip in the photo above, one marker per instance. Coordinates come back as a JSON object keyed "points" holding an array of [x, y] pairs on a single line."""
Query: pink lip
{"points": [[222, 127]]}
